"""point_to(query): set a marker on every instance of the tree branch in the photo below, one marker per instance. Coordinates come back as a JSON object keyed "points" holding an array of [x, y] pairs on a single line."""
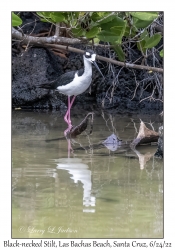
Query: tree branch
{"points": [[49, 42], [57, 30], [109, 60], [42, 40]]}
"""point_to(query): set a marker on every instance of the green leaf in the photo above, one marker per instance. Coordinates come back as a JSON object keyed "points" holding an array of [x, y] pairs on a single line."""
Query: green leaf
{"points": [[82, 13], [78, 31], [153, 41], [107, 36], [43, 14], [105, 20], [95, 16], [116, 21], [118, 30], [145, 16], [141, 23], [144, 36], [140, 46], [129, 32], [161, 53], [96, 40], [119, 52], [103, 13], [92, 33], [16, 20], [73, 14], [57, 17], [68, 16]]}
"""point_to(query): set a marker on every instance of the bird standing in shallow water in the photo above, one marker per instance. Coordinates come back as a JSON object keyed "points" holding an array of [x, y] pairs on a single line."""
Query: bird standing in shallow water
{"points": [[74, 83]]}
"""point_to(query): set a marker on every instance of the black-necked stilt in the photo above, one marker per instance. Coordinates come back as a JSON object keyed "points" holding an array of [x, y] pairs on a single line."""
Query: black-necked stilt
{"points": [[74, 83]]}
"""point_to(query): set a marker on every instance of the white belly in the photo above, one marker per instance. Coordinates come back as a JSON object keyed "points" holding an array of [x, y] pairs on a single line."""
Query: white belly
{"points": [[76, 87]]}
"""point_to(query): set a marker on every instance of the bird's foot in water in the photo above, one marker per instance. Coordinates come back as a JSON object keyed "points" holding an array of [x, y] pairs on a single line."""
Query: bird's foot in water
{"points": [[67, 131], [69, 123]]}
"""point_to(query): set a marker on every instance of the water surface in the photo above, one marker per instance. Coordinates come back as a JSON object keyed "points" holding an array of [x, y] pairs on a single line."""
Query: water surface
{"points": [[94, 191]]}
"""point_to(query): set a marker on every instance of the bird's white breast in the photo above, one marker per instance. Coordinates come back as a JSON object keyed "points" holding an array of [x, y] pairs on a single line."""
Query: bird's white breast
{"points": [[79, 85]]}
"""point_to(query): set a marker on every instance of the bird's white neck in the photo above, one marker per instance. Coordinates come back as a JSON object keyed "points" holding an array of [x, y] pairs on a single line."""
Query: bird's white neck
{"points": [[87, 68]]}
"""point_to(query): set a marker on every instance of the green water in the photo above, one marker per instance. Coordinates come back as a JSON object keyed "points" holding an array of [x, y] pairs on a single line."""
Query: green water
{"points": [[94, 193]]}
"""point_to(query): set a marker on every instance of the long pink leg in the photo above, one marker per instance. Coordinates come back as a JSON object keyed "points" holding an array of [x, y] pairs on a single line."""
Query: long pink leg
{"points": [[67, 115]]}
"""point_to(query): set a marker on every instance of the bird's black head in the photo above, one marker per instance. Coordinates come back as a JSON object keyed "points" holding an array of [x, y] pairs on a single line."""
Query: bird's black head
{"points": [[90, 56]]}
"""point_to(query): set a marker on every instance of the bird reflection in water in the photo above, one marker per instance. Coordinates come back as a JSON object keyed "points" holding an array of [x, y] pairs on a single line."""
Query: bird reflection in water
{"points": [[79, 171]]}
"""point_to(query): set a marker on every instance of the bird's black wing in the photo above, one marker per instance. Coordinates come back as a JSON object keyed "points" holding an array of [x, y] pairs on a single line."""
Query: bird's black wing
{"points": [[69, 76], [80, 72], [62, 80]]}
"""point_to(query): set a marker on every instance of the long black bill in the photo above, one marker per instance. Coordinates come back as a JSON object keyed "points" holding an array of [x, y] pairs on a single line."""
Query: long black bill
{"points": [[97, 68]]}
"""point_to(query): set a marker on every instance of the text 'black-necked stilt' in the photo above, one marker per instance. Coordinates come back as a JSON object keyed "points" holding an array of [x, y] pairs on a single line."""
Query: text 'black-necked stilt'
{"points": [[74, 83]]}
